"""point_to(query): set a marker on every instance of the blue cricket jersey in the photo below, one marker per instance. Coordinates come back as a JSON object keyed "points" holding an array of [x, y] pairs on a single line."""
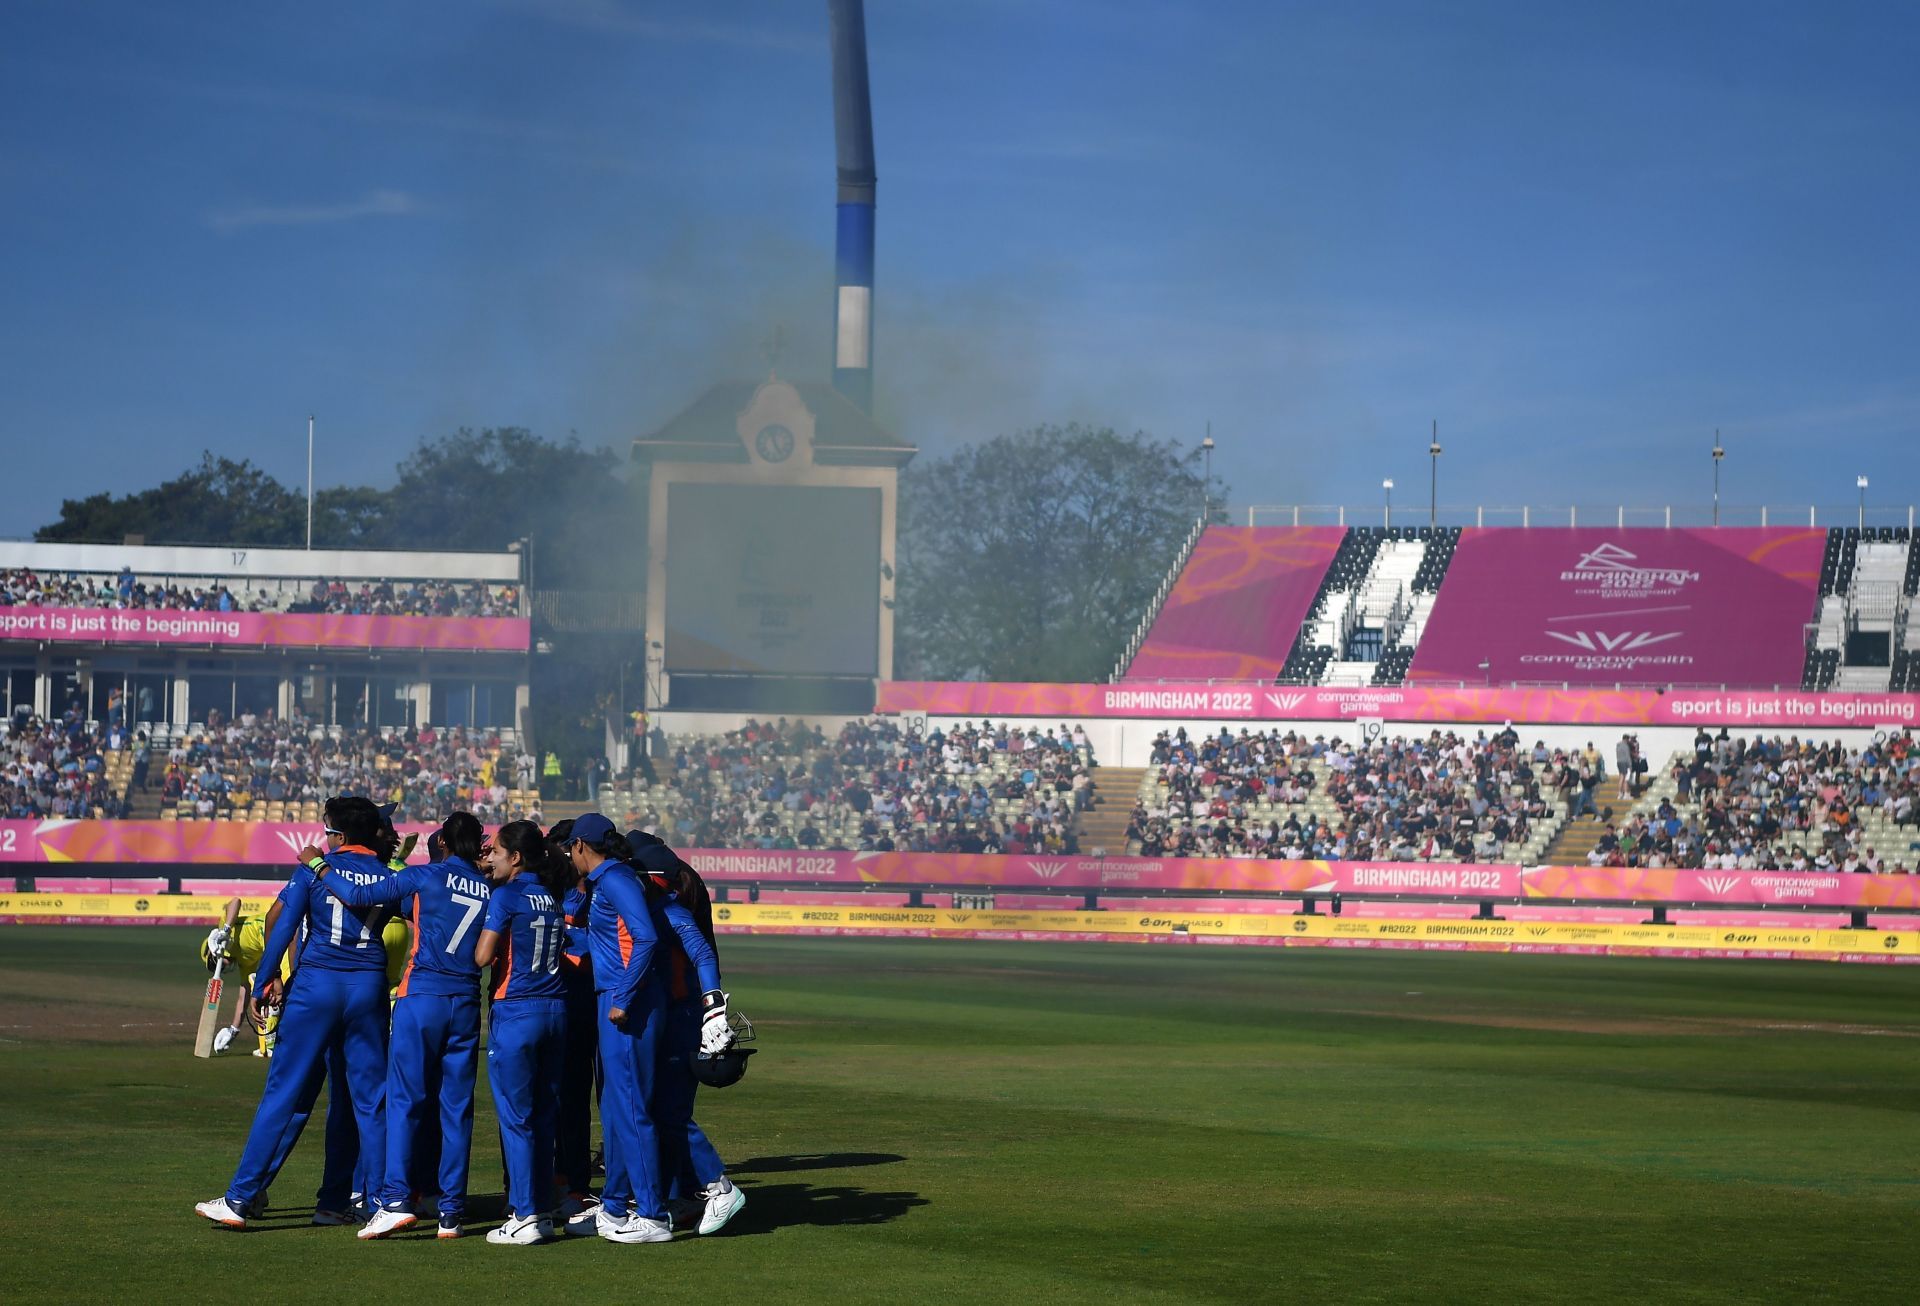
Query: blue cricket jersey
{"points": [[339, 937], [674, 922], [533, 934], [576, 961], [447, 902], [620, 933], [691, 949]]}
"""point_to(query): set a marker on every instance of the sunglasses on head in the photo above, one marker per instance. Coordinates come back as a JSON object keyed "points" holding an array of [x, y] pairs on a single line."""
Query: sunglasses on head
{"points": [[327, 829]]}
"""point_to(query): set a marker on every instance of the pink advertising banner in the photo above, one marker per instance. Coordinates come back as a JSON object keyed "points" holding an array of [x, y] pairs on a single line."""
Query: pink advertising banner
{"points": [[1642, 605], [1237, 606], [258, 629], [172, 843], [248, 843], [1357, 879], [1412, 703]]}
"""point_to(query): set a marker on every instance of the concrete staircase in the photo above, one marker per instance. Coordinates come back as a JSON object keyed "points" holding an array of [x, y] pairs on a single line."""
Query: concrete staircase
{"points": [[1104, 824], [1575, 840]]}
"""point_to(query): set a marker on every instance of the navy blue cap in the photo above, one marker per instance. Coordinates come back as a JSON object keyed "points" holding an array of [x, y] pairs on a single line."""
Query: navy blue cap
{"points": [[591, 828]]}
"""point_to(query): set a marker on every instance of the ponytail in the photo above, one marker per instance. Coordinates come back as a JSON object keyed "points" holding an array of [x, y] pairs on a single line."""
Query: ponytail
{"points": [[523, 839], [693, 895]]}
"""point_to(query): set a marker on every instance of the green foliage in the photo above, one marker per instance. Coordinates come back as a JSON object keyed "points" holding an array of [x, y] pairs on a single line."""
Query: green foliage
{"points": [[1034, 555], [478, 490], [219, 502], [485, 489]]}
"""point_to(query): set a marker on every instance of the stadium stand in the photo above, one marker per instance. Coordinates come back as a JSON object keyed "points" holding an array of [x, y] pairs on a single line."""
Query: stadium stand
{"points": [[1732, 803], [24, 587], [64, 769], [1441, 797], [1859, 632], [1237, 603], [1372, 606], [266, 769], [874, 786]]}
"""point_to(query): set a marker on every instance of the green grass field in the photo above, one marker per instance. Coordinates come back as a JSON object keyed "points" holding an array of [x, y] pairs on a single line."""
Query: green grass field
{"points": [[954, 1121]]}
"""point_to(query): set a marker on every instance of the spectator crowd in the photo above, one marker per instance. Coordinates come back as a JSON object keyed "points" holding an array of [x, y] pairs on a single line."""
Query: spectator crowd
{"points": [[1776, 804], [58, 768], [874, 785], [21, 587], [1439, 797], [241, 765]]}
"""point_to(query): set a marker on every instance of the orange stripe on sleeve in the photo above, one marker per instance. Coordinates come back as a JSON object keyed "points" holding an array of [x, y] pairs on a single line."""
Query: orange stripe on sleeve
{"points": [[413, 950], [503, 962]]}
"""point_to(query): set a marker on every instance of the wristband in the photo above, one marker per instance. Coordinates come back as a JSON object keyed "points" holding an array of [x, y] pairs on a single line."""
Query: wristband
{"points": [[317, 864]]}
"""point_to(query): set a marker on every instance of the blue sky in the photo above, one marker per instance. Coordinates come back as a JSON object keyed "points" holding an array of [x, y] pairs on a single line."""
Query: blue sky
{"points": [[1582, 237]]}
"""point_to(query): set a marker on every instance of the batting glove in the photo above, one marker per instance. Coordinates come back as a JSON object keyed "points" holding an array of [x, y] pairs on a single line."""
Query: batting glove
{"points": [[715, 1036], [217, 942], [224, 1039]]}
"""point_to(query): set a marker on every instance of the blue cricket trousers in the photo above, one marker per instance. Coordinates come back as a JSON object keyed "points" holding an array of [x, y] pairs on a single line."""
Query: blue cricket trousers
{"points": [[342, 1012], [526, 1046], [431, 1067], [628, 1057], [573, 1137], [343, 1174], [688, 1161]]}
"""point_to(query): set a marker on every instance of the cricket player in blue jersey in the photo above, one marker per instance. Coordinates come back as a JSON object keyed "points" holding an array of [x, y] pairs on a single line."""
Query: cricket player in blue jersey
{"points": [[434, 1054], [632, 1006], [336, 1003], [527, 1026], [692, 1176], [579, 1073]]}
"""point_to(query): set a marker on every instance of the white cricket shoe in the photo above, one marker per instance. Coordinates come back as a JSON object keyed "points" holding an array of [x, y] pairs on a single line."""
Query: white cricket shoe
{"points": [[335, 1217], [388, 1221], [222, 1213], [449, 1227], [580, 1216], [724, 1201], [521, 1232], [636, 1229]]}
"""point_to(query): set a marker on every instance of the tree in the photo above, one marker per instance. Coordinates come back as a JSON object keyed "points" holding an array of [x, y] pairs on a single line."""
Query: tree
{"points": [[219, 502], [1033, 556], [485, 489]]}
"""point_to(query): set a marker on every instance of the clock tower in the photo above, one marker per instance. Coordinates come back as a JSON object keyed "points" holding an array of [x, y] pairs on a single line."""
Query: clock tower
{"points": [[770, 551]]}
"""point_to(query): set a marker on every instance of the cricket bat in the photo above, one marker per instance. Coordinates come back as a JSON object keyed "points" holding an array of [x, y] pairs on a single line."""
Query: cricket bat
{"points": [[210, 1009]]}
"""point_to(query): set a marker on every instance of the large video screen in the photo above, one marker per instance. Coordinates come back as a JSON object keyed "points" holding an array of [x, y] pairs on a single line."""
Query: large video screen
{"points": [[778, 580]]}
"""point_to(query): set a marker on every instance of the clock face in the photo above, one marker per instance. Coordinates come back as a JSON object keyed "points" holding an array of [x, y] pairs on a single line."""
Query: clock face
{"points": [[774, 443]]}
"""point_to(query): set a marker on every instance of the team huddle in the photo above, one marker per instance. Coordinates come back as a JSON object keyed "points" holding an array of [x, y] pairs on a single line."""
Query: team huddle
{"points": [[605, 984]]}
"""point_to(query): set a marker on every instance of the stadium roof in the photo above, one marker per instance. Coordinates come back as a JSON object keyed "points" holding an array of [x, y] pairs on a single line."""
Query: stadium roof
{"points": [[708, 429]]}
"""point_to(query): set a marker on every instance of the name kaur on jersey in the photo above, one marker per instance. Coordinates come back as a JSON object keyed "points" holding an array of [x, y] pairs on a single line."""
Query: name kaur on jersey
{"points": [[464, 884]]}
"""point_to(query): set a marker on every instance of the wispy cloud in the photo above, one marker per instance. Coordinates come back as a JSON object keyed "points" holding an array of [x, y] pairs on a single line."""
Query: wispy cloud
{"points": [[616, 18], [374, 204]]}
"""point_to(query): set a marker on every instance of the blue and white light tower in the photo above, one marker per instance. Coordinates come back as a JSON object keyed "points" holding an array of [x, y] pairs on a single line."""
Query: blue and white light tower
{"points": [[853, 235]]}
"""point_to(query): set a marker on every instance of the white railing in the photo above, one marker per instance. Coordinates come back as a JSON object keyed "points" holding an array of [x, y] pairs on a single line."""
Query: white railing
{"points": [[1618, 516]]}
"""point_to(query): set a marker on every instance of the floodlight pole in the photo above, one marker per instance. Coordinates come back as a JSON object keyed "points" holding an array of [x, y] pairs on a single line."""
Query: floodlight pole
{"points": [[1718, 454], [309, 482], [1206, 485], [1433, 482]]}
